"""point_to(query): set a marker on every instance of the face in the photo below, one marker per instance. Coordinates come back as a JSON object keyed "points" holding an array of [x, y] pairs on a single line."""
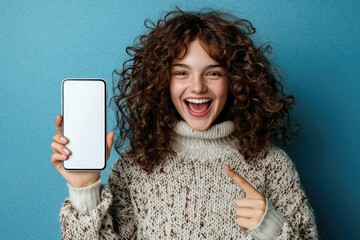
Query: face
{"points": [[198, 87]]}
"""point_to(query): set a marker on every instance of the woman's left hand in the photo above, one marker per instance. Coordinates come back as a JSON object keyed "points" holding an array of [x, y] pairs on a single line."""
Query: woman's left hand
{"points": [[249, 210]]}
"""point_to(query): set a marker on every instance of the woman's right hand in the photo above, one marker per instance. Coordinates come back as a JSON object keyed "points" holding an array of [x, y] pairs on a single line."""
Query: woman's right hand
{"points": [[76, 179]]}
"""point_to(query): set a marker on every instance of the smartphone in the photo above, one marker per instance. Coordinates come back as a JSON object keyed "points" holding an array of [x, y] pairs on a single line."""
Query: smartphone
{"points": [[84, 123]]}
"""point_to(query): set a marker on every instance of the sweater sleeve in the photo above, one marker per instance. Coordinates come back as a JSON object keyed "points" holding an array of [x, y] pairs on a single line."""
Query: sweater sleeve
{"points": [[288, 214], [86, 198], [110, 216]]}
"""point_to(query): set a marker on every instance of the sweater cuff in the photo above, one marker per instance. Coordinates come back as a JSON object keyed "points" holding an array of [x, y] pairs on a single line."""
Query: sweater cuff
{"points": [[85, 199], [270, 225]]}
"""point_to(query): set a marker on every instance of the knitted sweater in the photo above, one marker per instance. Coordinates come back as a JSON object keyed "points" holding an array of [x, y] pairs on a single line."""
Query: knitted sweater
{"points": [[189, 196]]}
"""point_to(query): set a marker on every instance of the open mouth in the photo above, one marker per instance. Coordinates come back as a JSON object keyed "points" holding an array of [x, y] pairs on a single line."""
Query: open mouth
{"points": [[198, 107]]}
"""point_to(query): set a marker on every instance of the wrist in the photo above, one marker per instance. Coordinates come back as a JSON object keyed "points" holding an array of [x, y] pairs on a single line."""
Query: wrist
{"points": [[270, 225], [86, 198], [84, 184]]}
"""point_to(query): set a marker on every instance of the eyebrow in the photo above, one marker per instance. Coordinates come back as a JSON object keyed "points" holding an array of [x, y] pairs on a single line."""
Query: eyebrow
{"points": [[187, 66]]}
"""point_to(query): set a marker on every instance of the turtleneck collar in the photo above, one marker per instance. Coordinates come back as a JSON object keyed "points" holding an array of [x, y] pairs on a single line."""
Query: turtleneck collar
{"points": [[209, 144], [217, 131]]}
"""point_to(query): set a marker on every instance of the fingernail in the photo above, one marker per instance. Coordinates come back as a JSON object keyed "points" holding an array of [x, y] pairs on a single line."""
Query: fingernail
{"points": [[62, 139], [63, 156], [66, 151]]}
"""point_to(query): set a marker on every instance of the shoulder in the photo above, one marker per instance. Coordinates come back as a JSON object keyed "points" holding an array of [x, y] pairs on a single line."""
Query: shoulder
{"points": [[275, 161], [272, 151], [125, 160], [124, 166], [276, 155], [281, 176]]}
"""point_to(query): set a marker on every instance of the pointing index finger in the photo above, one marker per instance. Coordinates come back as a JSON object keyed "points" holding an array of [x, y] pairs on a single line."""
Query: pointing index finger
{"points": [[249, 190]]}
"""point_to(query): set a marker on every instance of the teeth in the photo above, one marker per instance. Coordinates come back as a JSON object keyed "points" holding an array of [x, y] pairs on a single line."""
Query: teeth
{"points": [[198, 101]]}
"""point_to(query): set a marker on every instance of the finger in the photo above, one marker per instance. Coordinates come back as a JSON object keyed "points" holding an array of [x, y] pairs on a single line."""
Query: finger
{"points": [[58, 124], [109, 143], [109, 140], [258, 204], [244, 212], [60, 148], [58, 157], [249, 190], [249, 213], [246, 223], [60, 139]]}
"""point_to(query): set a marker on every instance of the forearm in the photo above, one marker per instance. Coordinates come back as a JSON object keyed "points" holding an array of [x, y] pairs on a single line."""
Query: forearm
{"points": [[270, 225], [109, 217], [274, 226], [83, 217], [85, 199]]}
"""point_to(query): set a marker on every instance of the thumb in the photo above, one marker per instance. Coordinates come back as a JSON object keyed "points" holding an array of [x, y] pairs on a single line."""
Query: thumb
{"points": [[58, 124], [109, 143]]}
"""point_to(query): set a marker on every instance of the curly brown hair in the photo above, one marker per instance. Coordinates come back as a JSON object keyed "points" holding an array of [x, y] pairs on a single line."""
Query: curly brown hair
{"points": [[145, 113]]}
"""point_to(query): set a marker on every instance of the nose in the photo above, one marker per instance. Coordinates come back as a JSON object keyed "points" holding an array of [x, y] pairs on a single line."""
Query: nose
{"points": [[198, 84]]}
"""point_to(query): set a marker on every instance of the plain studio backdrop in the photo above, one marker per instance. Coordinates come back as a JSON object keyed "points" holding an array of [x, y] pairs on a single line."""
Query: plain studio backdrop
{"points": [[315, 44]]}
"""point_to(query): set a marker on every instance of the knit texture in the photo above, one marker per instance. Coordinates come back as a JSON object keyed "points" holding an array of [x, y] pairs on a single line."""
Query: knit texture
{"points": [[85, 199], [189, 196]]}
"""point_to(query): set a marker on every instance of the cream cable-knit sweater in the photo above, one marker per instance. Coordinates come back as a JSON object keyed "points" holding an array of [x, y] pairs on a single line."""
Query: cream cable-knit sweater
{"points": [[190, 196]]}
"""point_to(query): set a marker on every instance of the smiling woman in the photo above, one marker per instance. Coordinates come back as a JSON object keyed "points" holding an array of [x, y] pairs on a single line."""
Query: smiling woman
{"points": [[200, 106]]}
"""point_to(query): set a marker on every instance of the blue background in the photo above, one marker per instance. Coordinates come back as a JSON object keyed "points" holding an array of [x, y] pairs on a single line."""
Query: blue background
{"points": [[315, 44]]}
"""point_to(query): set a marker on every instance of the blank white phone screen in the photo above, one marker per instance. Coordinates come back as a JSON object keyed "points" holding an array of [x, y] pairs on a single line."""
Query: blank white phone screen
{"points": [[84, 119]]}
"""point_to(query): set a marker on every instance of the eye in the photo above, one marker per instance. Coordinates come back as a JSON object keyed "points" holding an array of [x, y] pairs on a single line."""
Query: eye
{"points": [[180, 74], [214, 74]]}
